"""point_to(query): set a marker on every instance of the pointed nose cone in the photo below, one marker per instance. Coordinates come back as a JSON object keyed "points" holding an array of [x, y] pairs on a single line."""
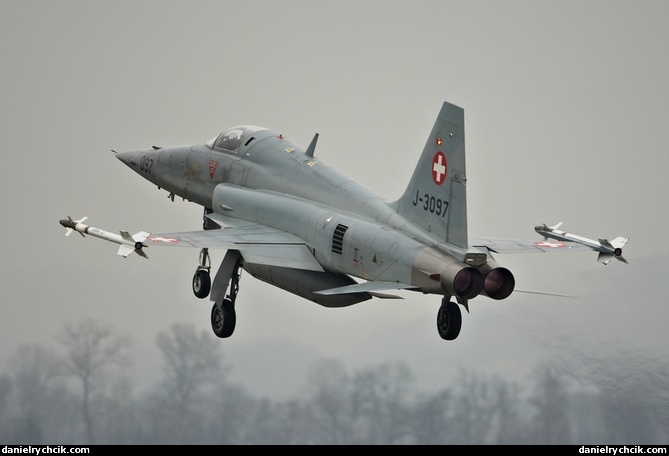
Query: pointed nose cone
{"points": [[128, 158]]}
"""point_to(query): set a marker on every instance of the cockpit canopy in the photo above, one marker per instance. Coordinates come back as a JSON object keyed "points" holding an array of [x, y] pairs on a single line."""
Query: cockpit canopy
{"points": [[231, 139]]}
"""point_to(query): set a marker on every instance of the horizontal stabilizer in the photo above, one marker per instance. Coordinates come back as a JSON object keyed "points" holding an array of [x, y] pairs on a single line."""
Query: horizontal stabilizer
{"points": [[384, 295], [366, 287]]}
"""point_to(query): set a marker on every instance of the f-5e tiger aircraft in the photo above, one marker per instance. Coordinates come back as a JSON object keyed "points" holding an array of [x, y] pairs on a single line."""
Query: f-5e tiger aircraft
{"points": [[289, 219]]}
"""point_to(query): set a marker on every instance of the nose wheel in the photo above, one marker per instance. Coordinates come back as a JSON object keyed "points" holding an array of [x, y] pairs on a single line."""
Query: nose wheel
{"points": [[202, 278]]}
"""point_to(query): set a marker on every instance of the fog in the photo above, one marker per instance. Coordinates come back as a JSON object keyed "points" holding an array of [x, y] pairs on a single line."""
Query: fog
{"points": [[83, 394], [565, 119]]}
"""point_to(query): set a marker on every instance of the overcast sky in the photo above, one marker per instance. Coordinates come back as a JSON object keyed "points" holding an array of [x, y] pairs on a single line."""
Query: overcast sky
{"points": [[566, 111]]}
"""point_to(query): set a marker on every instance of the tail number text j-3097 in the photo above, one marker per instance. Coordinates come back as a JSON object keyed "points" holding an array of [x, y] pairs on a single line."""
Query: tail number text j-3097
{"points": [[146, 164], [431, 203]]}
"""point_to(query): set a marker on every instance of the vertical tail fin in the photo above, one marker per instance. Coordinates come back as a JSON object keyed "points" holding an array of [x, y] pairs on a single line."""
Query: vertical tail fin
{"points": [[436, 198]]}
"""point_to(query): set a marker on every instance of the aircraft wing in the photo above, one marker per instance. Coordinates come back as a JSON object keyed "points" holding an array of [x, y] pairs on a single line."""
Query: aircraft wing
{"points": [[257, 243], [526, 246]]}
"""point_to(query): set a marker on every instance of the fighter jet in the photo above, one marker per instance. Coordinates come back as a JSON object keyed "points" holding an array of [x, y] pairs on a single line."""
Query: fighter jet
{"points": [[287, 218], [607, 250]]}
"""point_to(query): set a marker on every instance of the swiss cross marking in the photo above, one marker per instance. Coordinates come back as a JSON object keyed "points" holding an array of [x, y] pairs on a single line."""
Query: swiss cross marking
{"points": [[158, 239], [439, 168], [549, 244]]}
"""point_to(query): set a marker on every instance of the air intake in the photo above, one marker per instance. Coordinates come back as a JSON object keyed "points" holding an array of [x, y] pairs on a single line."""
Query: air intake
{"points": [[338, 239]]}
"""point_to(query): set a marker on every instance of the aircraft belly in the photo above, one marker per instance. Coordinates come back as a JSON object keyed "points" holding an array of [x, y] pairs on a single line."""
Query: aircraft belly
{"points": [[306, 283]]}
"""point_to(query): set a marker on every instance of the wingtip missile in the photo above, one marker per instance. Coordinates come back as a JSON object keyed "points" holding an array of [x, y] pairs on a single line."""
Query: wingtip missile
{"points": [[127, 243], [607, 249]]}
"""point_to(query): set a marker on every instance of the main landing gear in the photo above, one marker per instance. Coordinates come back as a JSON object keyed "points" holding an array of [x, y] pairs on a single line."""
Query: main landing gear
{"points": [[449, 319], [223, 318], [223, 315]]}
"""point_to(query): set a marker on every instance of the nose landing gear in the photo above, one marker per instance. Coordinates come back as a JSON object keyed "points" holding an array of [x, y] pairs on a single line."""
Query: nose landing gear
{"points": [[202, 278]]}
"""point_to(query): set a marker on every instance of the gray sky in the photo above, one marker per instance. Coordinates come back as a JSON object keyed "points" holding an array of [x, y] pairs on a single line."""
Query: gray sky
{"points": [[565, 111]]}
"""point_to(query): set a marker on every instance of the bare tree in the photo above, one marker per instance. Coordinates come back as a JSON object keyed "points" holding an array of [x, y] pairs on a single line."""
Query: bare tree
{"points": [[475, 409], [279, 423], [193, 374], [372, 406], [234, 418], [551, 400], [35, 370], [430, 422], [5, 392], [384, 392], [334, 406], [92, 349], [509, 420]]}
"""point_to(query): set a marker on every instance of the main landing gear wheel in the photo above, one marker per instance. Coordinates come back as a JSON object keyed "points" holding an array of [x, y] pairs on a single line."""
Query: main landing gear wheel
{"points": [[449, 320], [223, 318], [223, 315]]}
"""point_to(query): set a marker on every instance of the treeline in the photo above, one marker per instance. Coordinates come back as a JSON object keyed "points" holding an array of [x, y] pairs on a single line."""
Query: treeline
{"points": [[75, 392]]}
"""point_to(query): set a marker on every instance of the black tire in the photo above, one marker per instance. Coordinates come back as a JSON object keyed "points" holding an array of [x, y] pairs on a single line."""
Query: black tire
{"points": [[201, 283], [223, 319], [449, 320]]}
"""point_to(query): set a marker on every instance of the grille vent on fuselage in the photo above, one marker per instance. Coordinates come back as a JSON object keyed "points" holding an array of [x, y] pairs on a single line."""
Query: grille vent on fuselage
{"points": [[338, 238]]}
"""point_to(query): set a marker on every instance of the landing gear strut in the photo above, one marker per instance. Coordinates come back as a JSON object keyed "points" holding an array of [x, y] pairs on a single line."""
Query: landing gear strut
{"points": [[449, 319], [225, 286]]}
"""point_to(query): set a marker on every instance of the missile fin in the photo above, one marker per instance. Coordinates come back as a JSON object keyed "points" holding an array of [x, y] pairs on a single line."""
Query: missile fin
{"points": [[125, 250]]}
